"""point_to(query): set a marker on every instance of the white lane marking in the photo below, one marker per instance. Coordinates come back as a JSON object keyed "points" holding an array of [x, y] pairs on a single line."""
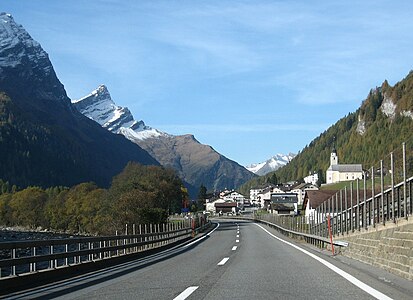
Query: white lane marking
{"points": [[185, 294], [368, 289], [234, 248], [200, 239], [238, 235], [236, 241], [223, 261]]}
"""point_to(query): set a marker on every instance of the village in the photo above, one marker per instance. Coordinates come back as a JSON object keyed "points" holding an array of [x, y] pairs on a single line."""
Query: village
{"points": [[291, 198]]}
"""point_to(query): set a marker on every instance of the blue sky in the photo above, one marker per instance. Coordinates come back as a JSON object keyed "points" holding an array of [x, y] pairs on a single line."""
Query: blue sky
{"points": [[249, 78]]}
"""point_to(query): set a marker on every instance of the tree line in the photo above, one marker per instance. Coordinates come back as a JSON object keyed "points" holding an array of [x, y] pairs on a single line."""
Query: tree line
{"points": [[138, 195]]}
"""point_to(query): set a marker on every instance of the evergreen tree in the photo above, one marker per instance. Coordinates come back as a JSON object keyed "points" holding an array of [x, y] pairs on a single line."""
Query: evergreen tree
{"points": [[202, 195]]}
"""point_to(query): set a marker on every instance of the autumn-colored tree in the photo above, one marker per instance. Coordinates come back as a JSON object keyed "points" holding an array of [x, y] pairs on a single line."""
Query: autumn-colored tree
{"points": [[27, 207], [139, 192]]}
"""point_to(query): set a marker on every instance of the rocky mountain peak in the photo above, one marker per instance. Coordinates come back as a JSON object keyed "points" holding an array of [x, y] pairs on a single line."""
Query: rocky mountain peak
{"points": [[25, 65], [100, 107], [14, 37], [44, 140], [272, 164], [196, 163]]}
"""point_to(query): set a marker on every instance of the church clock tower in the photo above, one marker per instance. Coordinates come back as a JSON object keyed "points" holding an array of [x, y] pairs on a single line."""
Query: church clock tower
{"points": [[333, 158]]}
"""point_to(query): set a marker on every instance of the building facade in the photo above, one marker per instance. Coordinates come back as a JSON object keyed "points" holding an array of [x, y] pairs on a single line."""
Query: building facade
{"points": [[339, 172]]}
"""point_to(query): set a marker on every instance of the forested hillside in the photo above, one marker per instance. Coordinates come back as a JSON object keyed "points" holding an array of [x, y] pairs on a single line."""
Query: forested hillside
{"points": [[382, 123]]}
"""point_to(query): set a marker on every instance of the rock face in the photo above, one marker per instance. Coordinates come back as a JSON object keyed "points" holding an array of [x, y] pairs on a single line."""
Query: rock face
{"points": [[196, 163], [44, 140]]}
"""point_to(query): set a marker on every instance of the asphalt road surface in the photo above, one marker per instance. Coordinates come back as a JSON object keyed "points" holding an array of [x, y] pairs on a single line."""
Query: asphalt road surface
{"points": [[238, 260]]}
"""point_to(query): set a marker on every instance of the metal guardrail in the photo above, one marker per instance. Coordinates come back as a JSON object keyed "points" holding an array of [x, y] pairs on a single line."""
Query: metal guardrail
{"points": [[360, 205], [376, 199], [29, 257], [350, 215], [274, 221]]}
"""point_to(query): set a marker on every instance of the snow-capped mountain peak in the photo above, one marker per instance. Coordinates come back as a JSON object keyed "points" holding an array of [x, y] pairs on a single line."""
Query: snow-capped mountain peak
{"points": [[100, 107], [272, 164], [25, 65], [14, 37]]}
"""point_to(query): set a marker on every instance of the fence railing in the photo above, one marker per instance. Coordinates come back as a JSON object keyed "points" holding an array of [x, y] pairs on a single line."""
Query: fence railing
{"points": [[22, 257], [375, 199]]}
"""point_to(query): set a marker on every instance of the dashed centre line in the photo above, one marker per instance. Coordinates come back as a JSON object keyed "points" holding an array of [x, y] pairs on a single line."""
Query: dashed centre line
{"points": [[223, 261], [236, 241], [185, 294], [234, 248]]}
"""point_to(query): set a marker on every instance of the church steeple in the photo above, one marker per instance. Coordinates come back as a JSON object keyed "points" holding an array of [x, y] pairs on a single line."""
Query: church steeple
{"points": [[333, 156]]}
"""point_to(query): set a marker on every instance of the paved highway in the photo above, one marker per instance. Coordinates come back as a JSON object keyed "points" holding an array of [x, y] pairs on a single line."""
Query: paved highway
{"points": [[238, 260]]}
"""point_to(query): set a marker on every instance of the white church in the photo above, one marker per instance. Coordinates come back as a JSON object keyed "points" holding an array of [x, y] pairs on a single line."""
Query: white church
{"points": [[337, 173]]}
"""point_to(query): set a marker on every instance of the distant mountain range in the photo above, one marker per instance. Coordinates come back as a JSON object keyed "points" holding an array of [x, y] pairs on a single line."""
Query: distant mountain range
{"points": [[272, 164], [44, 140], [196, 163]]}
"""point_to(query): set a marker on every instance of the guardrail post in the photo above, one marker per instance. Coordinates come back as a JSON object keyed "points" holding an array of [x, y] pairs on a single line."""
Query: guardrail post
{"points": [[125, 240], [159, 234], [330, 212], [13, 256], [346, 208], [392, 187], [341, 212], [364, 213], [383, 215], [320, 219], [135, 249], [145, 238], [140, 237], [373, 199], [151, 236], [51, 252], [358, 205], [351, 208], [117, 243], [404, 183], [32, 265]]}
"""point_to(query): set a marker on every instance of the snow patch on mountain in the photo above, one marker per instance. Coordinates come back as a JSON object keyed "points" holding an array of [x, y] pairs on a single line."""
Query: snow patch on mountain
{"points": [[143, 134], [272, 164], [100, 107]]}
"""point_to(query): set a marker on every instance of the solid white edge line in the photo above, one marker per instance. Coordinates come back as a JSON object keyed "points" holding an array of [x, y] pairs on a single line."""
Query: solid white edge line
{"points": [[368, 289], [234, 248], [200, 239], [223, 261], [185, 294]]}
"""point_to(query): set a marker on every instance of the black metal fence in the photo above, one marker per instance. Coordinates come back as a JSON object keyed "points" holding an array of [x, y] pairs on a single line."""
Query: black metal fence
{"points": [[22, 257], [383, 195]]}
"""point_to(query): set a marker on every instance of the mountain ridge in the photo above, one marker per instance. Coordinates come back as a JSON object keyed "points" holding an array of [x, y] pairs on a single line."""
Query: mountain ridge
{"points": [[272, 164], [44, 140], [196, 163]]}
